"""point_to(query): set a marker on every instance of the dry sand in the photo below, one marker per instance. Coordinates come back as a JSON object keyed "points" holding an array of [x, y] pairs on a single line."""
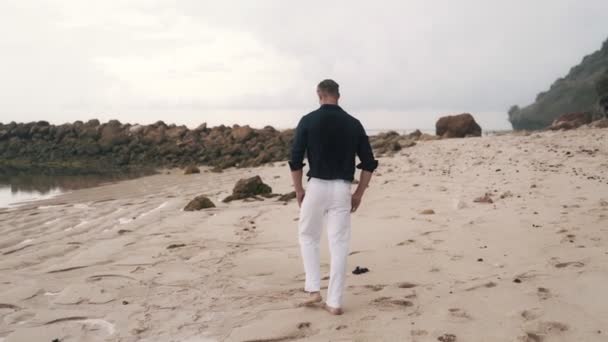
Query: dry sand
{"points": [[123, 262]]}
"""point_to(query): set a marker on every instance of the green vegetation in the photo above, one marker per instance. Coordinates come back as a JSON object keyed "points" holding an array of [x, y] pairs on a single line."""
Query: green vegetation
{"points": [[577, 92]]}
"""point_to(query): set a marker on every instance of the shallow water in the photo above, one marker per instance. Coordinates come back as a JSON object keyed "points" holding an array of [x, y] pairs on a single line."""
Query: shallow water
{"points": [[18, 187]]}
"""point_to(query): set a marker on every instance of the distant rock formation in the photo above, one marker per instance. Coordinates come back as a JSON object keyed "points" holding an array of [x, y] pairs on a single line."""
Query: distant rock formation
{"points": [[457, 126], [575, 93], [113, 145]]}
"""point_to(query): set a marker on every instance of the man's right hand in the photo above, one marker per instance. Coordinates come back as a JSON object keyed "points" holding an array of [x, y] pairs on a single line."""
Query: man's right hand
{"points": [[355, 201], [300, 197]]}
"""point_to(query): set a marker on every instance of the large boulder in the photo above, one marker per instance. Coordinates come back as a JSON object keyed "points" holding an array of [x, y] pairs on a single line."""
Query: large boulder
{"points": [[198, 203], [249, 188], [457, 126], [571, 120]]}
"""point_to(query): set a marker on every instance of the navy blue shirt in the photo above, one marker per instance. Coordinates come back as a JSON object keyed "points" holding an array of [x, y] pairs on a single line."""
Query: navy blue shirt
{"points": [[331, 139]]}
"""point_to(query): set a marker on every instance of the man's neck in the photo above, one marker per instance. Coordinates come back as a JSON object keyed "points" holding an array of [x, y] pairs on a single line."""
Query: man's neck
{"points": [[329, 102]]}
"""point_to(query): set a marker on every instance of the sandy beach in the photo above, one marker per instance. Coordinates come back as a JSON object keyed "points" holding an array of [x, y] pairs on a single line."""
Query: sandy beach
{"points": [[124, 262]]}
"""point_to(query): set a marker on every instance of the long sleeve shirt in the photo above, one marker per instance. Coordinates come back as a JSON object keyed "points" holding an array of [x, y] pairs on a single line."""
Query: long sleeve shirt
{"points": [[331, 139]]}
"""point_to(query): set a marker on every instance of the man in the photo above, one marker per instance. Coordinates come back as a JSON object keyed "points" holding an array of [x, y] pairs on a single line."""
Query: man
{"points": [[331, 139]]}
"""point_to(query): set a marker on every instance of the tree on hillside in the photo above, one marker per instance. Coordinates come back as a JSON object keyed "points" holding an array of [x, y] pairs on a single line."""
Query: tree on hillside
{"points": [[601, 86]]}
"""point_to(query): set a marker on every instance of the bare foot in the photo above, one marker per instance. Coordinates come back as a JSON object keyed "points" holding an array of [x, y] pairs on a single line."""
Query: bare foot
{"points": [[314, 298], [333, 311]]}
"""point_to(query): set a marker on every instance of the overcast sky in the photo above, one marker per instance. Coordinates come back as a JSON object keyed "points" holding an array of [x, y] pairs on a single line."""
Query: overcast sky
{"points": [[400, 64]]}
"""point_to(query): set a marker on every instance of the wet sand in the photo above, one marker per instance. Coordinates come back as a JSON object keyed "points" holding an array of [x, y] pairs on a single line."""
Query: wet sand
{"points": [[123, 262]]}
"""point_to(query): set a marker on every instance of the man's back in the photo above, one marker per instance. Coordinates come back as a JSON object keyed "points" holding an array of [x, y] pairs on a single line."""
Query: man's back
{"points": [[331, 139]]}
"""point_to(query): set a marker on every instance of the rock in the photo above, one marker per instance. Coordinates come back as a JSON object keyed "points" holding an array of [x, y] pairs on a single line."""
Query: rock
{"points": [[428, 137], [191, 170], [484, 199], [201, 127], [175, 133], [571, 121], [603, 123], [457, 126], [427, 212], [112, 134], [287, 197], [249, 188], [415, 135], [136, 129], [506, 194], [241, 134], [198, 203]]}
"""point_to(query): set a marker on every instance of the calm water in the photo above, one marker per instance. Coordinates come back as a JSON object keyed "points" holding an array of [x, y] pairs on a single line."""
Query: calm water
{"points": [[18, 187]]}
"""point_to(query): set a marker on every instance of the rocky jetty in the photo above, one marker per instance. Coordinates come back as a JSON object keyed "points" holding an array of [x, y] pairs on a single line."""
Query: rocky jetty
{"points": [[113, 145]]}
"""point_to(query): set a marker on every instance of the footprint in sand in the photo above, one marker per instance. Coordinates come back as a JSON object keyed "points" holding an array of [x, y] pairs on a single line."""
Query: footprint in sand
{"points": [[536, 332], [359, 290], [487, 285], [569, 264], [406, 242], [459, 315], [543, 293], [531, 314], [391, 303]]}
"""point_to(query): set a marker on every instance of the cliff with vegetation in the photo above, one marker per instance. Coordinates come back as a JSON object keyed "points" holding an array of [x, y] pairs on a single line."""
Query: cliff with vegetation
{"points": [[574, 93]]}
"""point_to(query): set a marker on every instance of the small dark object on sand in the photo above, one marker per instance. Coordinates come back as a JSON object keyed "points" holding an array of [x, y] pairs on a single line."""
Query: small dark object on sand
{"points": [[176, 245], [517, 280], [360, 270], [447, 338], [56, 340], [124, 302]]}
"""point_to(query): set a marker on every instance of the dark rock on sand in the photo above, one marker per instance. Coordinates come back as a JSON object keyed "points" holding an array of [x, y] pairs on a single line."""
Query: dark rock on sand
{"points": [[484, 199], [457, 126], [198, 203], [571, 121], [249, 188], [287, 197], [191, 170]]}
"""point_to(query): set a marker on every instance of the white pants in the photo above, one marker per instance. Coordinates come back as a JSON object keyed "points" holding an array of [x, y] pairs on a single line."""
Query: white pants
{"points": [[329, 201]]}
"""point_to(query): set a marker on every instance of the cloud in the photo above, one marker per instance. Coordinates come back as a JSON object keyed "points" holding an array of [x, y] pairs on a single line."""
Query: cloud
{"points": [[245, 61]]}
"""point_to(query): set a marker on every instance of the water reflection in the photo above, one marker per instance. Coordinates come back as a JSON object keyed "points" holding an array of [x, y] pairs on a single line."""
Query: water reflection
{"points": [[19, 186]]}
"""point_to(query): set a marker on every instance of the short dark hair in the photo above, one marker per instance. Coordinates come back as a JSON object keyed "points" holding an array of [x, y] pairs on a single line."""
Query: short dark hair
{"points": [[329, 87]]}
